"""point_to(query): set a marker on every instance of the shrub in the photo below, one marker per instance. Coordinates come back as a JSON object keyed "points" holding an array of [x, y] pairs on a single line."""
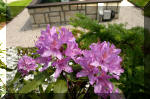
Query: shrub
{"points": [[4, 12], [147, 10], [131, 42], [58, 53]]}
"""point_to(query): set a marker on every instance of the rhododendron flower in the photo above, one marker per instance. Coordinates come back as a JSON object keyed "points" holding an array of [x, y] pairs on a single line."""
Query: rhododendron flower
{"points": [[100, 63], [49, 44], [62, 65], [43, 60], [72, 50], [88, 70], [106, 57], [26, 64], [66, 36], [103, 85]]}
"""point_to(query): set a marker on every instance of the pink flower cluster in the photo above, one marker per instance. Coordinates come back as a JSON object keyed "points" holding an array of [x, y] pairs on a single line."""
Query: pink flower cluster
{"points": [[99, 64], [26, 64], [51, 49]]}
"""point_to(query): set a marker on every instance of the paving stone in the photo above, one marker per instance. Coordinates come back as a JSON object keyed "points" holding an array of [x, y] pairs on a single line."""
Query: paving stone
{"points": [[55, 19], [83, 6], [70, 14], [58, 8], [39, 18], [62, 16], [73, 7], [32, 19], [92, 16], [82, 11], [34, 26], [31, 11], [46, 18], [65, 7], [54, 14], [91, 8], [42, 10], [79, 6]]}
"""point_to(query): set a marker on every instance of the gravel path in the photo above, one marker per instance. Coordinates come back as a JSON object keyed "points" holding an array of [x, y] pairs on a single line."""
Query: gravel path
{"points": [[19, 32], [130, 15]]}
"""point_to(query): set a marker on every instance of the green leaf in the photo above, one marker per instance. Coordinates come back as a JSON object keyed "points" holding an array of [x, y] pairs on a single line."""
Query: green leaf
{"points": [[38, 80], [60, 86], [49, 87], [59, 96], [41, 89], [139, 75], [34, 96], [2, 65], [10, 85], [17, 76]]}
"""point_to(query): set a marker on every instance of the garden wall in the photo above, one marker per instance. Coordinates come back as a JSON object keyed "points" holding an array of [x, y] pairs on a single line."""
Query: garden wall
{"points": [[60, 13]]}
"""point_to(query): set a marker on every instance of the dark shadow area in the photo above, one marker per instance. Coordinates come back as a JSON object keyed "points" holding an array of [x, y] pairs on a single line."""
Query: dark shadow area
{"points": [[60, 96], [147, 49], [27, 26]]}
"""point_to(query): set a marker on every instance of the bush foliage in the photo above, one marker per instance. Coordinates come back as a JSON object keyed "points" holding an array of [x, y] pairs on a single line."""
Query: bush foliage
{"points": [[4, 12], [130, 41]]}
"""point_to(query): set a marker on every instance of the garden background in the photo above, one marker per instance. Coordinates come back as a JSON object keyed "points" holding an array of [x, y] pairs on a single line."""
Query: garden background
{"points": [[133, 42]]}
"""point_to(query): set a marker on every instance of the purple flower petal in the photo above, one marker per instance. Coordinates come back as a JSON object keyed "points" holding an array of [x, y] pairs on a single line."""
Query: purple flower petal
{"points": [[26, 64], [82, 73], [57, 73], [68, 69], [62, 65]]}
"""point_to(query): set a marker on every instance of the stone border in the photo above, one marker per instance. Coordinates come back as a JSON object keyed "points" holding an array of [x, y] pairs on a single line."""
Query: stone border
{"points": [[37, 4], [60, 13]]}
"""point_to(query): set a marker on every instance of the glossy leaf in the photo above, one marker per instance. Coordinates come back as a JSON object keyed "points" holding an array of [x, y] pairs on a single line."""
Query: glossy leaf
{"points": [[38, 80], [60, 86]]}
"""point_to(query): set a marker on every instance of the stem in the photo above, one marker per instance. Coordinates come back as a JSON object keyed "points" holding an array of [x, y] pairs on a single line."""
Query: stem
{"points": [[41, 88], [79, 93], [3, 83], [67, 81], [99, 97], [86, 92]]}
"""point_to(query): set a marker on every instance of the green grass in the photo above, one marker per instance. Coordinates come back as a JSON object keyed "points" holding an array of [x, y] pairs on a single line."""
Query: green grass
{"points": [[17, 6], [140, 3]]}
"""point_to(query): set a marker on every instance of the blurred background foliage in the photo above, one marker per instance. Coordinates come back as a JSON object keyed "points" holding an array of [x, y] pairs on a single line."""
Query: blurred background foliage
{"points": [[4, 12], [135, 54], [130, 41]]}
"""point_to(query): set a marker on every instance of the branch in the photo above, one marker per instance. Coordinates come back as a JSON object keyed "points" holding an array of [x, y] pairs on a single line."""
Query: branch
{"points": [[3, 83]]}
